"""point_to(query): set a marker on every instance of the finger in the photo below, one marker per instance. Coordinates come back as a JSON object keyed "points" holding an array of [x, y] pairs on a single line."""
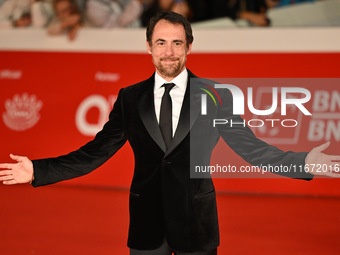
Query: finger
{"points": [[333, 175], [16, 157], [323, 147], [6, 166], [6, 172], [335, 167], [10, 182], [335, 157], [6, 178]]}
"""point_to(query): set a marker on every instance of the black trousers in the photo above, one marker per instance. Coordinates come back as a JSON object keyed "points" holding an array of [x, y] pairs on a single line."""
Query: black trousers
{"points": [[166, 250]]}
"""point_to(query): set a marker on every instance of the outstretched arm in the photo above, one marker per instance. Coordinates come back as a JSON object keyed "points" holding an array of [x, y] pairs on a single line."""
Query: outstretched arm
{"points": [[15, 173], [256, 152], [75, 164], [318, 163]]}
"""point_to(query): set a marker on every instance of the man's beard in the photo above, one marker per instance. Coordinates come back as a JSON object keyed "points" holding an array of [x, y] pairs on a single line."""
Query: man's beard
{"points": [[169, 70]]}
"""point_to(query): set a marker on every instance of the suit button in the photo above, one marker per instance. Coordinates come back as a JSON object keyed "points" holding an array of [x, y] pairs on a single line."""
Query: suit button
{"points": [[165, 162]]}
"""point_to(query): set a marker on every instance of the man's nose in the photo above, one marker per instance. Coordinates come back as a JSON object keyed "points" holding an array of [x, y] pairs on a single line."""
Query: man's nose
{"points": [[169, 50]]}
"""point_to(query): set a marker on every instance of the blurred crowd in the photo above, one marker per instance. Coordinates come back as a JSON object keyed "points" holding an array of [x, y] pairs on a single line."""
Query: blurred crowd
{"points": [[67, 16]]}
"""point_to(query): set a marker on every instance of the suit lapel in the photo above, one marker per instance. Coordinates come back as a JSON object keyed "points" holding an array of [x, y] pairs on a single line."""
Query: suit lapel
{"points": [[189, 113], [147, 113]]}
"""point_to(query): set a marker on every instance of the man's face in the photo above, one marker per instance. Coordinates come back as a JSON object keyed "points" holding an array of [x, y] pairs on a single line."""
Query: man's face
{"points": [[168, 49], [63, 9]]}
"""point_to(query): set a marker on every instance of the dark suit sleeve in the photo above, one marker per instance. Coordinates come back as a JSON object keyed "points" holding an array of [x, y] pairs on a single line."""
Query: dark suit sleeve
{"points": [[87, 158], [255, 151]]}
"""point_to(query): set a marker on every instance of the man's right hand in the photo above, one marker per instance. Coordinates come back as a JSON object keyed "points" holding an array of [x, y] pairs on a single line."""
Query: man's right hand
{"points": [[16, 173]]}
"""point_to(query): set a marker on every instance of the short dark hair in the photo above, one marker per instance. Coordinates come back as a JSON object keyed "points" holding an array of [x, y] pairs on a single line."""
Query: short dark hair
{"points": [[73, 5], [173, 18]]}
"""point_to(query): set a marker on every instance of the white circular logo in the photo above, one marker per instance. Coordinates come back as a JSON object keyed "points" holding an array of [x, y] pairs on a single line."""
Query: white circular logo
{"points": [[22, 112], [93, 101]]}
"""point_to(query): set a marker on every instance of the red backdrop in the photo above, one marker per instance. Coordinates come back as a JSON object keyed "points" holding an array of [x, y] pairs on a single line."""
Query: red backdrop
{"points": [[51, 102]]}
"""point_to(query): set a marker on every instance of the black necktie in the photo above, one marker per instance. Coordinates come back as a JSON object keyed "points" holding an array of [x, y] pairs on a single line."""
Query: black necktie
{"points": [[165, 116]]}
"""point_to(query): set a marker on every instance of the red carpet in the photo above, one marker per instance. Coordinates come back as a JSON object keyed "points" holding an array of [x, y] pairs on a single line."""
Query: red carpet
{"points": [[66, 220]]}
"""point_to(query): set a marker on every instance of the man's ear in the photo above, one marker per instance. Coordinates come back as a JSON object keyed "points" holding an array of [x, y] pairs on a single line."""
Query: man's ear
{"points": [[148, 47], [189, 49]]}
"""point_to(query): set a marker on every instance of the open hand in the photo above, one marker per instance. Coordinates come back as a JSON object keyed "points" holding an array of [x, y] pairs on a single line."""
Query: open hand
{"points": [[319, 163], [15, 173]]}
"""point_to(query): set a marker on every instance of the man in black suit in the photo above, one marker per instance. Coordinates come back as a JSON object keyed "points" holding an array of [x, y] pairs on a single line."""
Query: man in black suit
{"points": [[169, 211]]}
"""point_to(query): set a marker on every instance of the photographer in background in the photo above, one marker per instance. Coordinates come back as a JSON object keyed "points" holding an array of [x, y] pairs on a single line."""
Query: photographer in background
{"points": [[113, 13], [254, 11], [151, 7], [25, 13], [67, 19]]}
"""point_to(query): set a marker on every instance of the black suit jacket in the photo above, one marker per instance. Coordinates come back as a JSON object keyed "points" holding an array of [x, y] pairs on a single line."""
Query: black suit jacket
{"points": [[164, 200]]}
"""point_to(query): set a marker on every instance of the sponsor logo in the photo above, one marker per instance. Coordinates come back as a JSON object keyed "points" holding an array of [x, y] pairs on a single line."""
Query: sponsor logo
{"points": [[22, 112], [10, 74], [325, 123], [107, 77], [99, 102]]}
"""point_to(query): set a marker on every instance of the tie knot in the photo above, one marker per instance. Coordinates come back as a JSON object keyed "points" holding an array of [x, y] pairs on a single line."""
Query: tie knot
{"points": [[168, 87]]}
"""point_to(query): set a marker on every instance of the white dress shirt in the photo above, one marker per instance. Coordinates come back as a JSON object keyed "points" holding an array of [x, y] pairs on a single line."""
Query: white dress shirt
{"points": [[176, 93]]}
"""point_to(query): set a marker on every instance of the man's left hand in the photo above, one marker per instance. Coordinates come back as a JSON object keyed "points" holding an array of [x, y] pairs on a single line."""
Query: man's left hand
{"points": [[318, 163]]}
